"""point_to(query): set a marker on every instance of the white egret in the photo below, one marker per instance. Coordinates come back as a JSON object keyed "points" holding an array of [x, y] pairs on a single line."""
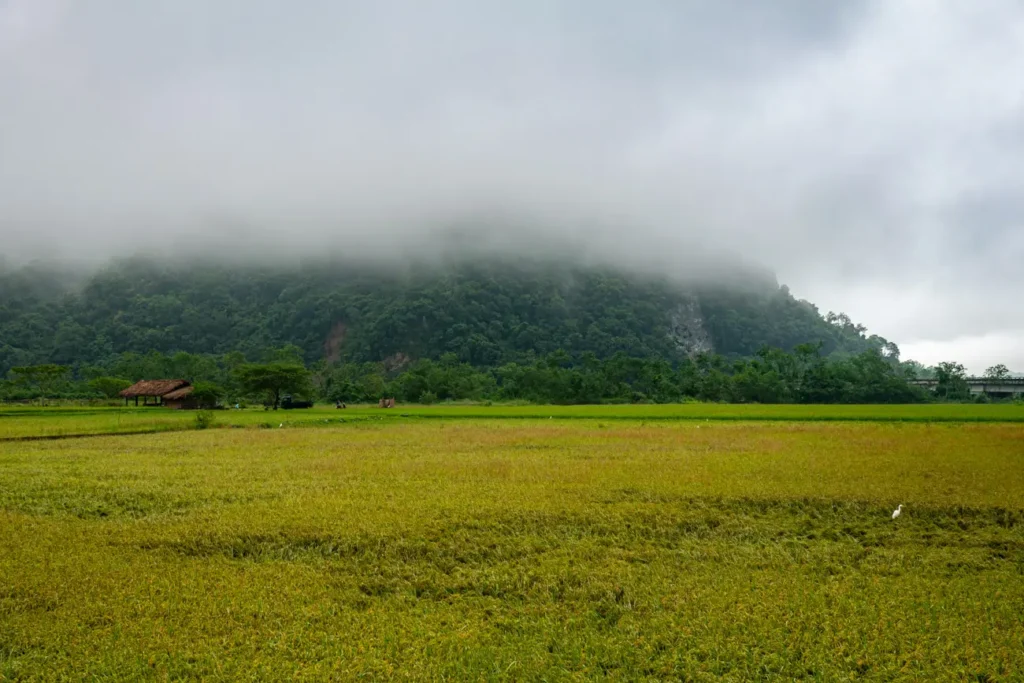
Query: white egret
{"points": [[898, 511]]}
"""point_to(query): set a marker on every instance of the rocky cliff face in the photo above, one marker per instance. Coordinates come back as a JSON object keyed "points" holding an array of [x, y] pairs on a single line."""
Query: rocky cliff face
{"points": [[687, 328]]}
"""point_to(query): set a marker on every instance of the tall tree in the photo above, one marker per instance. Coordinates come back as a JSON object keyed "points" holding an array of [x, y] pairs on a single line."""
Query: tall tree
{"points": [[997, 372], [952, 381], [43, 379], [108, 387], [273, 379]]}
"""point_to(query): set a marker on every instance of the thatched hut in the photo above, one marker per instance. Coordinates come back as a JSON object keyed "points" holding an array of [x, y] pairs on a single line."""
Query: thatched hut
{"points": [[157, 389]]}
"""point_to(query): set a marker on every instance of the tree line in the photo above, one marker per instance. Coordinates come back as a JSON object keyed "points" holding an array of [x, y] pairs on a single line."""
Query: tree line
{"points": [[772, 375]]}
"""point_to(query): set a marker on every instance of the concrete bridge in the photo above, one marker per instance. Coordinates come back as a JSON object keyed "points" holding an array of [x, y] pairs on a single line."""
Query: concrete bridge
{"points": [[1007, 387]]}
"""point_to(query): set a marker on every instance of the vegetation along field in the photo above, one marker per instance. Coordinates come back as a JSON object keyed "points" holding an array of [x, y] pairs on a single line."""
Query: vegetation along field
{"points": [[33, 423], [692, 542]]}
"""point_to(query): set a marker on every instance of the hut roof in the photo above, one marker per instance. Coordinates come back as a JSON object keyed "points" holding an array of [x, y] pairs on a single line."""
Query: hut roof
{"points": [[154, 387], [179, 394]]}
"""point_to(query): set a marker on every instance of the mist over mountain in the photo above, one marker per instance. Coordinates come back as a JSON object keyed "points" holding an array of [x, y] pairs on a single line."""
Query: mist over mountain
{"points": [[484, 310], [869, 152]]}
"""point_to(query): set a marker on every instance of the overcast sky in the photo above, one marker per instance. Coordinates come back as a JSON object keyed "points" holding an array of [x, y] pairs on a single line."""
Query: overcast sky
{"points": [[870, 152]]}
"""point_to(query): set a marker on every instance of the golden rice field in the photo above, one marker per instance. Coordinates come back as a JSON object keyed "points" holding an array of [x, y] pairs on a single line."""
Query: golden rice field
{"points": [[516, 549]]}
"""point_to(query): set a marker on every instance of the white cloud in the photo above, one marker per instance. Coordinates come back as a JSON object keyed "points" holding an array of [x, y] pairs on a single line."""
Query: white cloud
{"points": [[871, 152], [976, 353]]}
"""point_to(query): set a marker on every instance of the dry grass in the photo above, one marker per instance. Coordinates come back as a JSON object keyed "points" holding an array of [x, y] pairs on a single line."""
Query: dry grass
{"points": [[517, 550]]}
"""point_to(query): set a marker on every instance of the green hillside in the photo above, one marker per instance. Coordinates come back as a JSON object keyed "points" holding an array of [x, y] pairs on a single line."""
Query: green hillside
{"points": [[486, 313]]}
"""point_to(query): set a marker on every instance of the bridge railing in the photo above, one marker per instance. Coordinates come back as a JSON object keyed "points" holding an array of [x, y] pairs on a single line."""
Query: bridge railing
{"points": [[1013, 386]]}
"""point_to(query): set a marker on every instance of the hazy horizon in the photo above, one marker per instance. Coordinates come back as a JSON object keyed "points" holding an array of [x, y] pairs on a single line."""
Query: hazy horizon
{"points": [[869, 153]]}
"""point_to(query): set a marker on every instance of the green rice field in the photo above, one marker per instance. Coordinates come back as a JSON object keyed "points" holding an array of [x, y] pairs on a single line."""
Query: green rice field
{"points": [[31, 422], [692, 542]]}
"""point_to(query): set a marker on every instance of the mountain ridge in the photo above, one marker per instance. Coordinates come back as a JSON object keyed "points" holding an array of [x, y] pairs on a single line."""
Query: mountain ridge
{"points": [[485, 311]]}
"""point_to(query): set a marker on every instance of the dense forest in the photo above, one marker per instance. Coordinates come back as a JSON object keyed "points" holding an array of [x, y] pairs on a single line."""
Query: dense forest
{"points": [[486, 313], [771, 376], [484, 330]]}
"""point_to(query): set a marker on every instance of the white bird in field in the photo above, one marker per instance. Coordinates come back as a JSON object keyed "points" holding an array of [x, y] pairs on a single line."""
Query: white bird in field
{"points": [[281, 425], [898, 511]]}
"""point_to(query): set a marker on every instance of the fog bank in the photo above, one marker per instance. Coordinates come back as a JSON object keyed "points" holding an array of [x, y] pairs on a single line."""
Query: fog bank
{"points": [[870, 153]]}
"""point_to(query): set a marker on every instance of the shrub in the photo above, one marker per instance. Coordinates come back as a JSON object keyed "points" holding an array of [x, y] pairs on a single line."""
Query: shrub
{"points": [[204, 419]]}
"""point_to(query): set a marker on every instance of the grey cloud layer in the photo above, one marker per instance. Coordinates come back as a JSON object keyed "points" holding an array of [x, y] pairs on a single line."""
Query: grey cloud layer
{"points": [[872, 155]]}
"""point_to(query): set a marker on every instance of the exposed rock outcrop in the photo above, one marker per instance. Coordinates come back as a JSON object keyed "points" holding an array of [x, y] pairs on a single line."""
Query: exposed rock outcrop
{"points": [[687, 328]]}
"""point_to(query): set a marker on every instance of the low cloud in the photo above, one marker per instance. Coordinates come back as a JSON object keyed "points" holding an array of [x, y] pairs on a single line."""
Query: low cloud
{"points": [[871, 153]]}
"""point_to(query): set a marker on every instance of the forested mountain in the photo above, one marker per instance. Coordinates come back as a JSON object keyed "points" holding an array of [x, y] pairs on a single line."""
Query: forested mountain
{"points": [[485, 312]]}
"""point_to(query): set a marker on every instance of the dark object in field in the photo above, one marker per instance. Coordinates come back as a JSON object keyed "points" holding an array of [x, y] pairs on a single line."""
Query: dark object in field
{"points": [[339, 405], [386, 403], [288, 403]]}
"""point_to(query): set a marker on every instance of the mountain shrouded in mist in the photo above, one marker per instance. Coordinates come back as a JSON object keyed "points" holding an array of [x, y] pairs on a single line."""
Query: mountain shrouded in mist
{"points": [[485, 311], [870, 152]]}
